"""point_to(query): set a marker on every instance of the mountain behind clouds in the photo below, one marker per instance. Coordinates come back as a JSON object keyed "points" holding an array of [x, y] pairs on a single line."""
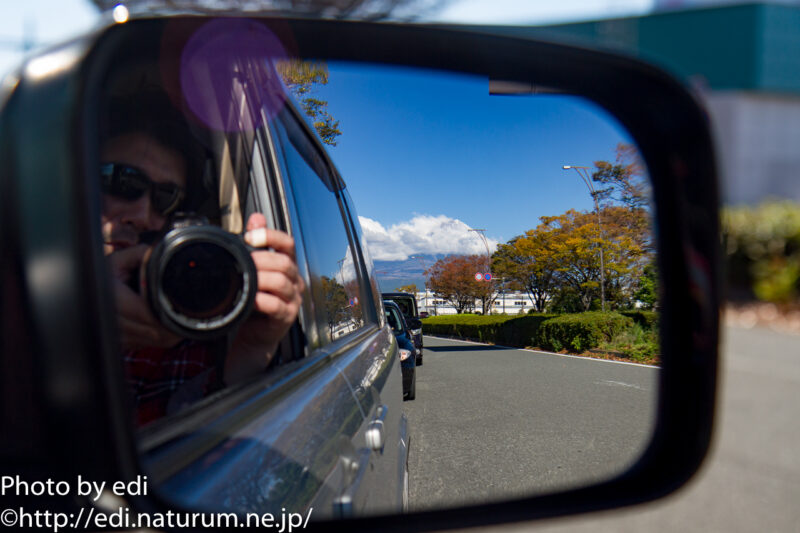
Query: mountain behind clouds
{"points": [[394, 274], [394, 250]]}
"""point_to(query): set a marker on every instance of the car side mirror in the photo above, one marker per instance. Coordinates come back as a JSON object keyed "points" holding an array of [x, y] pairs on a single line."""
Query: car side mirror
{"points": [[70, 343]]}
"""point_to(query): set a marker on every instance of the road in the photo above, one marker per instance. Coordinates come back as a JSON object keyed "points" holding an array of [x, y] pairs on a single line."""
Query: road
{"points": [[491, 423], [751, 479]]}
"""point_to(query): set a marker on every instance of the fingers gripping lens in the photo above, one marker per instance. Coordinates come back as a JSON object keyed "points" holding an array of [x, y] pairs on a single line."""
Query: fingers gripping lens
{"points": [[201, 280], [129, 183]]}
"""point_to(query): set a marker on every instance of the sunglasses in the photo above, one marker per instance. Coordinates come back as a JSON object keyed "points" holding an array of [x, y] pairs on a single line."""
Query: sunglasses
{"points": [[129, 183]]}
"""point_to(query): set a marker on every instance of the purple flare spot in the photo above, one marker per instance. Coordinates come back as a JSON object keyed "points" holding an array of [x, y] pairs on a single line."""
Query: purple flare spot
{"points": [[228, 76]]}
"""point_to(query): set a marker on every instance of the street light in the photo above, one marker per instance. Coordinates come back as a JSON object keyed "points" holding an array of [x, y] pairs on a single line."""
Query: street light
{"points": [[481, 232], [583, 172], [421, 259]]}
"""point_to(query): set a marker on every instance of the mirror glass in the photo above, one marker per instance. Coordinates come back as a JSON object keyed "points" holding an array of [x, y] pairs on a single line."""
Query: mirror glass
{"points": [[256, 204], [457, 177]]}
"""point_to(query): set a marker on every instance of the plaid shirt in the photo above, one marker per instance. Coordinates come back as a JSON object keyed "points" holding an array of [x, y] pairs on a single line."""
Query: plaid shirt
{"points": [[164, 380]]}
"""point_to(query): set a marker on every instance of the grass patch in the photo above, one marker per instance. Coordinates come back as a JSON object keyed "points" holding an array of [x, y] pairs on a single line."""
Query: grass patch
{"points": [[636, 343]]}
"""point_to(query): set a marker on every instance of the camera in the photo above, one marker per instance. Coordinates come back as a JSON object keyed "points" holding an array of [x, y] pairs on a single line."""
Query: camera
{"points": [[199, 279]]}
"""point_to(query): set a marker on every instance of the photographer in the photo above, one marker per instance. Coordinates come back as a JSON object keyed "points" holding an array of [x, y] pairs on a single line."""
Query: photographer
{"points": [[147, 175]]}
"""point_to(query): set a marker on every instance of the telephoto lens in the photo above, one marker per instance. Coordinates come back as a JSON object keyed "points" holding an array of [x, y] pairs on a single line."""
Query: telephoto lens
{"points": [[200, 279]]}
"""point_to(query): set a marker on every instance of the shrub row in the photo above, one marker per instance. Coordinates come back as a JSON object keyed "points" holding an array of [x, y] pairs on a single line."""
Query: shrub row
{"points": [[646, 319], [582, 331], [575, 332], [762, 251]]}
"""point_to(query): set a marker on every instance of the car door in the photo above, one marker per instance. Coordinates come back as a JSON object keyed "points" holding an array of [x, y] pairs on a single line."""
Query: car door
{"points": [[282, 440], [348, 320]]}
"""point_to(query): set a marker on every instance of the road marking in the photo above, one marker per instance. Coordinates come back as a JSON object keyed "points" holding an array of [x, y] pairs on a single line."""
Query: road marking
{"points": [[547, 353], [619, 384]]}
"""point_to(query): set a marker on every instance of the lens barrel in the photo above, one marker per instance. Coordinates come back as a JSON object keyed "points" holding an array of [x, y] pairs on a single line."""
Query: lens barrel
{"points": [[200, 279]]}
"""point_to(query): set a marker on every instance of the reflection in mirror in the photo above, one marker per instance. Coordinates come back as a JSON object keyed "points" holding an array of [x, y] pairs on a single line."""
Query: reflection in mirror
{"points": [[262, 373], [516, 216]]}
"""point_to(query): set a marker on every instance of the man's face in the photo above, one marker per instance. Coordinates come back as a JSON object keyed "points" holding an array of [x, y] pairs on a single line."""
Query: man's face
{"points": [[122, 220]]}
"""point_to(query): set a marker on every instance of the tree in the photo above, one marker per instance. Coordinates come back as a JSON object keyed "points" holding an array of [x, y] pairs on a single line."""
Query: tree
{"points": [[628, 247], [407, 288], [301, 77], [647, 293], [526, 262], [572, 241], [624, 180], [453, 278], [560, 259], [335, 303]]}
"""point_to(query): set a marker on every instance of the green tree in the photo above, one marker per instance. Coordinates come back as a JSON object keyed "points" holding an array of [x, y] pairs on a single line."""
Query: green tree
{"points": [[301, 77], [647, 293]]}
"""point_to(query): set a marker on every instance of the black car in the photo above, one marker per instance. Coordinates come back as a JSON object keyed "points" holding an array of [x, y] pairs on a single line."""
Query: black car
{"points": [[408, 306], [408, 351]]}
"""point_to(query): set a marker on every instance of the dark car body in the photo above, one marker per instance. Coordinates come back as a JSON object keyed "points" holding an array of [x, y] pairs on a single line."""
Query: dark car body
{"points": [[408, 306], [397, 322]]}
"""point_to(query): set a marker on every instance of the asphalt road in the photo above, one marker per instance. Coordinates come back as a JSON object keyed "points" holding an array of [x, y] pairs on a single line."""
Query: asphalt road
{"points": [[751, 478], [491, 423]]}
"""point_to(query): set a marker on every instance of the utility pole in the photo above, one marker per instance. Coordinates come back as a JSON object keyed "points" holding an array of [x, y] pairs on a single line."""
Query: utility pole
{"points": [[583, 172]]}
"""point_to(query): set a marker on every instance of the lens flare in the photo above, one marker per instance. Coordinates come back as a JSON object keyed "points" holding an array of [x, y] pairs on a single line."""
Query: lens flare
{"points": [[228, 77]]}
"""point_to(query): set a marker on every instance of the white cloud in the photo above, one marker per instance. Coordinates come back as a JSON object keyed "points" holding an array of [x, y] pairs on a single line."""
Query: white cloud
{"points": [[423, 234]]}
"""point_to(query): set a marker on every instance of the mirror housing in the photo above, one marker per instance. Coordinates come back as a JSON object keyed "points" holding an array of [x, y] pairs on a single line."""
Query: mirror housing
{"points": [[49, 110]]}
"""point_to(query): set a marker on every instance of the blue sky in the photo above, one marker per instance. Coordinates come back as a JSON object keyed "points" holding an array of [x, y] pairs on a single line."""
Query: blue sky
{"points": [[421, 149]]}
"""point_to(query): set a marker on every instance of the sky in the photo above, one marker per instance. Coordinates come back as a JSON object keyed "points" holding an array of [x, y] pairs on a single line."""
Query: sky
{"points": [[426, 157]]}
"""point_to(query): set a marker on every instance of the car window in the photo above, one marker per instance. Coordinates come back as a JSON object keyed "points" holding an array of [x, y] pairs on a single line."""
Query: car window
{"points": [[179, 191], [335, 273], [394, 320]]}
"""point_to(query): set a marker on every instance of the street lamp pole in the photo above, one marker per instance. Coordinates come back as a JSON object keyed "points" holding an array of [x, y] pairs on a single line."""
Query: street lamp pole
{"points": [[481, 233], [583, 172], [424, 269]]}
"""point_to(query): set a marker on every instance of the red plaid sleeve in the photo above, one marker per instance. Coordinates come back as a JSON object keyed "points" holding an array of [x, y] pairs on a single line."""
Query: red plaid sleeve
{"points": [[155, 375]]}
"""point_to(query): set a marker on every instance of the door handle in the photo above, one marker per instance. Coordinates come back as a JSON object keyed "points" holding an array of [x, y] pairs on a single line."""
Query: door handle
{"points": [[355, 468], [375, 434]]}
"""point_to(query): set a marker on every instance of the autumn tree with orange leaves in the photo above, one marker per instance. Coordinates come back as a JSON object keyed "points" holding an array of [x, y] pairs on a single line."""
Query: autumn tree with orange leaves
{"points": [[561, 255], [453, 278]]}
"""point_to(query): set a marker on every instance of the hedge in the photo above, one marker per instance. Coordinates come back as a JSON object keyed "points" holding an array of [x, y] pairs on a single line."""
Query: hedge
{"points": [[582, 331], [762, 251], [576, 332], [646, 319]]}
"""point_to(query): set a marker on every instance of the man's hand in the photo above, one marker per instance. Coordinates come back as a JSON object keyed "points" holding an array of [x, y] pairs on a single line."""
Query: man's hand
{"points": [[137, 324], [278, 300]]}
